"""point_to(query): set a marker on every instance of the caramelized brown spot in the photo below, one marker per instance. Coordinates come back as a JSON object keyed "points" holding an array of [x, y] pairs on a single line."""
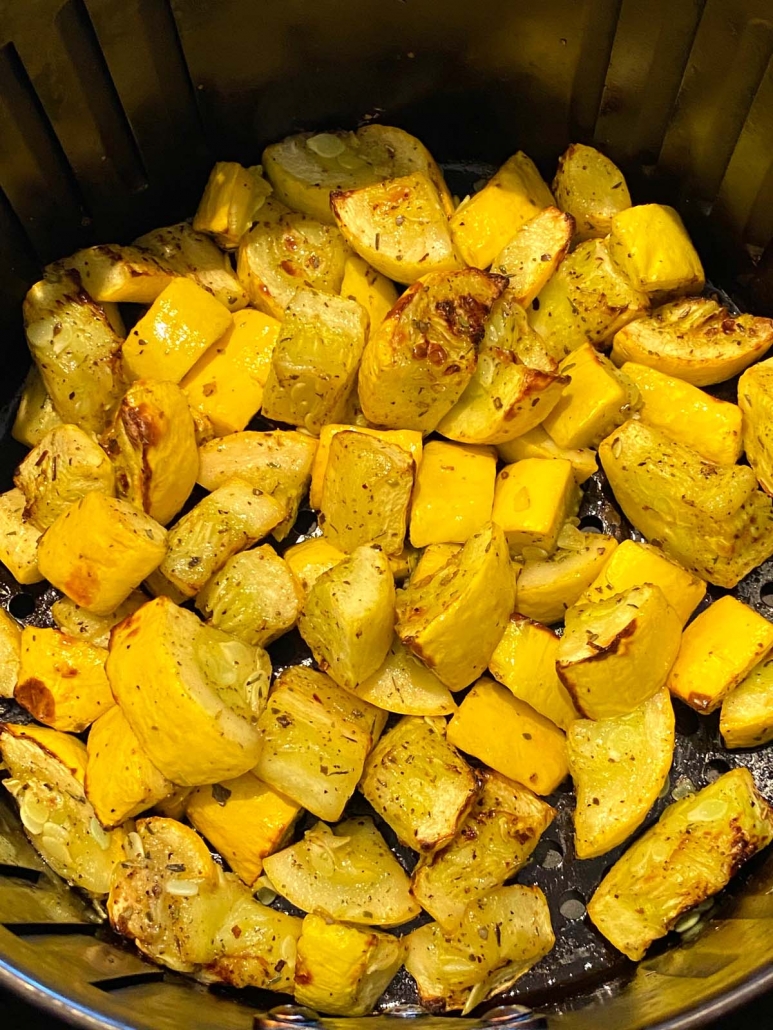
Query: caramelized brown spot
{"points": [[35, 696]]}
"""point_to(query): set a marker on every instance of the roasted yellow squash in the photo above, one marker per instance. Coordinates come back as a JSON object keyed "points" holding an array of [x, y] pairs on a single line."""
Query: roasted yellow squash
{"points": [[591, 188]]}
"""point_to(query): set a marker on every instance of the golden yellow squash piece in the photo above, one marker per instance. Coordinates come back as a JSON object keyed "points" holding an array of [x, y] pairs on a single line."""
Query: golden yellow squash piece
{"points": [[315, 737], [407, 439], [755, 400], [695, 339], [254, 597], [534, 253], [348, 617], [597, 398], [436, 614], [77, 622], [65, 466], [546, 588], [231, 201], [100, 550], [226, 383], [403, 685], [10, 653], [746, 719], [615, 654], [500, 937], [18, 539], [121, 781], [696, 847], [618, 766], [366, 493], [434, 557], [634, 563], [191, 694], [532, 501], [591, 188], [417, 365], [121, 275], [710, 426], [370, 288], [650, 244], [494, 842], [35, 415], [587, 301], [345, 872], [525, 662], [314, 363], [47, 771], [343, 971], [719, 648], [454, 493], [420, 785], [712, 519], [175, 903], [62, 680], [244, 819], [510, 736], [485, 222], [538, 443], [309, 559]]}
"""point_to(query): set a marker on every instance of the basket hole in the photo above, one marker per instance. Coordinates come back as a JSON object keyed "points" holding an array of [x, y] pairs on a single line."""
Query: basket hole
{"points": [[21, 606], [766, 594], [549, 854], [591, 524], [714, 769], [571, 905]]}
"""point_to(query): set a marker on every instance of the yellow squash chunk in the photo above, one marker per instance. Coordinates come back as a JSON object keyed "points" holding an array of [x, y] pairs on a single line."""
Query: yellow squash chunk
{"points": [[62, 680], [121, 781], [100, 550], [180, 325], [18, 539], [486, 221], [546, 588], [494, 842], [287, 251], [76, 344], [695, 339], [538, 443], [650, 244], [696, 847], [419, 784], [454, 619], [65, 466], [719, 648], [500, 937], [712, 519], [532, 501], [591, 188], [230, 202], [345, 872], [226, 383], [633, 563], [191, 694], [407, 439], [315, 360], [152, 444], [615, 654], [366, 493], [534, 253], [454, 493], [415, 368], [510, 736], [178, 907], [587, 301], [47, 770], [35, 415], [597, 399], [315, 737], [398, 226], [244, 819], [618, 767], [403, 685], [434, 557], [348, 617], [77, 622], [309, 559], [710, 426], [10, 653], [525, 662], [231, 518], [370, 288], [755, 399], [343, 971], [305, 169], [746, 719], [121, 275], [253, 597]]}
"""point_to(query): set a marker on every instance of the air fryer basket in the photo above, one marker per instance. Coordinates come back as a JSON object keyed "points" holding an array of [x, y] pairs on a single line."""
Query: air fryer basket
{"points": [[111, 114]]}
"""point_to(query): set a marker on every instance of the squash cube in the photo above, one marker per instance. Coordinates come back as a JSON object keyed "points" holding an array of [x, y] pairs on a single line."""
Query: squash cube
{"points": [[454, 493], [755, 399], [370, 288], [121, 275], [650, 244], [534, 253], [18, 539], [10, 653], [538, 443], [35, 415], [77, 622], [546, 588], [310, 559], [408, 440], [532, 501], [746, 719], [230, 202], [591, 188], [402, 684], [434, 557]]}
